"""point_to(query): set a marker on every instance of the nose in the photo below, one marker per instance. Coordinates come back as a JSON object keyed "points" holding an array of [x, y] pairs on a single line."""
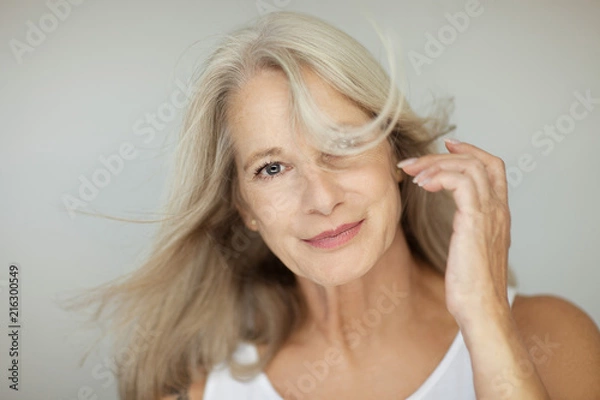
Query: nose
{"points": [[321, 191]]}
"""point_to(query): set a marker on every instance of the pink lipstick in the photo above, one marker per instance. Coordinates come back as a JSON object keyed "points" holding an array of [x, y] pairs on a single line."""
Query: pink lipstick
{"points": [[337, 237]]}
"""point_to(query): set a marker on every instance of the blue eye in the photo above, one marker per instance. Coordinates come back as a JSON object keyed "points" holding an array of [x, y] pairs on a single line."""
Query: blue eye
{"points": [[272, 169]]}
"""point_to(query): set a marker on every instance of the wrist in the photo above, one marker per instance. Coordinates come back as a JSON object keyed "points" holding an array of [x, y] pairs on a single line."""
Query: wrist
{"points": [[485, 320]]}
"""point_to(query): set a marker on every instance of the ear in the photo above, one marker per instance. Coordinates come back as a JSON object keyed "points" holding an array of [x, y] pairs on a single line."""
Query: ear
{"points": [[247, 217], [249, 221], [399, 174], [242, 208]]}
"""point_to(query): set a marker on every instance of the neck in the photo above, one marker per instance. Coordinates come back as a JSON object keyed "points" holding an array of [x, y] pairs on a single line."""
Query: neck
{"points": [[372, 310]]}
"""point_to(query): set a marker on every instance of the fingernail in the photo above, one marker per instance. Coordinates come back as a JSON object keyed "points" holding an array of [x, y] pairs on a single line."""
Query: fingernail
{"points": [[425, 182], [451, 140], [419, 176], [406, 162]]}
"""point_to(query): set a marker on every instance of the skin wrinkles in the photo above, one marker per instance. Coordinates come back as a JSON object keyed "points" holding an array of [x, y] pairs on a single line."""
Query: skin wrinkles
{"points": [[315, 192]]}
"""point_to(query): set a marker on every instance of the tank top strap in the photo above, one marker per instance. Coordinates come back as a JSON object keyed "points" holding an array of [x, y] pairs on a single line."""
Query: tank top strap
{"points": [[511, 292]]}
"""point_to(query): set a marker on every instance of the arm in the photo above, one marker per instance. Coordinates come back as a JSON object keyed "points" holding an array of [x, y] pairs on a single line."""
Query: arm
{"points": [[476, 289], [502, 366], [547, 349]]}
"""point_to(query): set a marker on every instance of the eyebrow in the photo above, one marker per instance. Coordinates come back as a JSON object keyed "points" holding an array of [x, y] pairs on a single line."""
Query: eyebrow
{"points": [[272, 151]]}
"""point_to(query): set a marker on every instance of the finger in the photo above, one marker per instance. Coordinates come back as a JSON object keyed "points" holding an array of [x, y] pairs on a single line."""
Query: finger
{"points": [[494, 165], [470, 166], [461, 185], [418, 164]]}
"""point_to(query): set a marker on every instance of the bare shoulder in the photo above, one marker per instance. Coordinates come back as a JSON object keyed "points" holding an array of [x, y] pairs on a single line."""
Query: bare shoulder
{"points": [[563, 342], [553, 314]]}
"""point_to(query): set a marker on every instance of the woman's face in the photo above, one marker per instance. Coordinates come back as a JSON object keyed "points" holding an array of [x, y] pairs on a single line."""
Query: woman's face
{"points": [[292, 199]]}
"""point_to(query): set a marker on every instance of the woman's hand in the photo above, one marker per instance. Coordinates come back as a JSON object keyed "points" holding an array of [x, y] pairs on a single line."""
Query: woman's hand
{"points": [[477, 266]]}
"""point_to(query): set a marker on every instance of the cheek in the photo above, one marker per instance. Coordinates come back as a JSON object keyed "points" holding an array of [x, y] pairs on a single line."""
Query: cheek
{"points": [[383, 195], [271, 207], [391, 191], [374, 184]]}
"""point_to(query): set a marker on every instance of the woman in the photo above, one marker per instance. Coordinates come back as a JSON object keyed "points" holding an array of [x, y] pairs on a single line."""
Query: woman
{"points": [[301, 261]]}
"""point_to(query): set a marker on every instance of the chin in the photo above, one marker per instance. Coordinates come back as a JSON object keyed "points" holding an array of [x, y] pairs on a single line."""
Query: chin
{"points": [[341, 278]]}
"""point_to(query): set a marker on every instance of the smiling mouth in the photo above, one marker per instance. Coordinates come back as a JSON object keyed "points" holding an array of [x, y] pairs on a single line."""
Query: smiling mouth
{"points": [[337, 237]]}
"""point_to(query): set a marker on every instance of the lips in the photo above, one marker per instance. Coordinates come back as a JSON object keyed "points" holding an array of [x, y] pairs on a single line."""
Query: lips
{"points": [[334, 232]]}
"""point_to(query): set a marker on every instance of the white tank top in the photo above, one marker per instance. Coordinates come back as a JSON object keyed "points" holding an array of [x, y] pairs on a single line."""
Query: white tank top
{"points": [[452, 379]]}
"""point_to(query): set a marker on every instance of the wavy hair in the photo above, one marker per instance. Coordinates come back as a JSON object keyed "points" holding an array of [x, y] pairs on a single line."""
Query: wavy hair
{"points": [[209, 282]]}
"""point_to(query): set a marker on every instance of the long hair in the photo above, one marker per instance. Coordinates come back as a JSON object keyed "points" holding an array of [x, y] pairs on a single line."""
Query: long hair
{"points": [[209, 282]]}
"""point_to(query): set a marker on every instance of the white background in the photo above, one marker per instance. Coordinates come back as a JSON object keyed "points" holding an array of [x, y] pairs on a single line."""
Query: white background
{"points": [[81, 91]]}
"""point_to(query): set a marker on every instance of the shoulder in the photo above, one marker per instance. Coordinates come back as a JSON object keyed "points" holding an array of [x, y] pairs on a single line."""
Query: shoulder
{"points": [[563, 343], [553, 314]]}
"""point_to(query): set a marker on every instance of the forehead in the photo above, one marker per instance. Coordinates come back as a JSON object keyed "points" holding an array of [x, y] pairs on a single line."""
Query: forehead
{"points": [[259, 112]]}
